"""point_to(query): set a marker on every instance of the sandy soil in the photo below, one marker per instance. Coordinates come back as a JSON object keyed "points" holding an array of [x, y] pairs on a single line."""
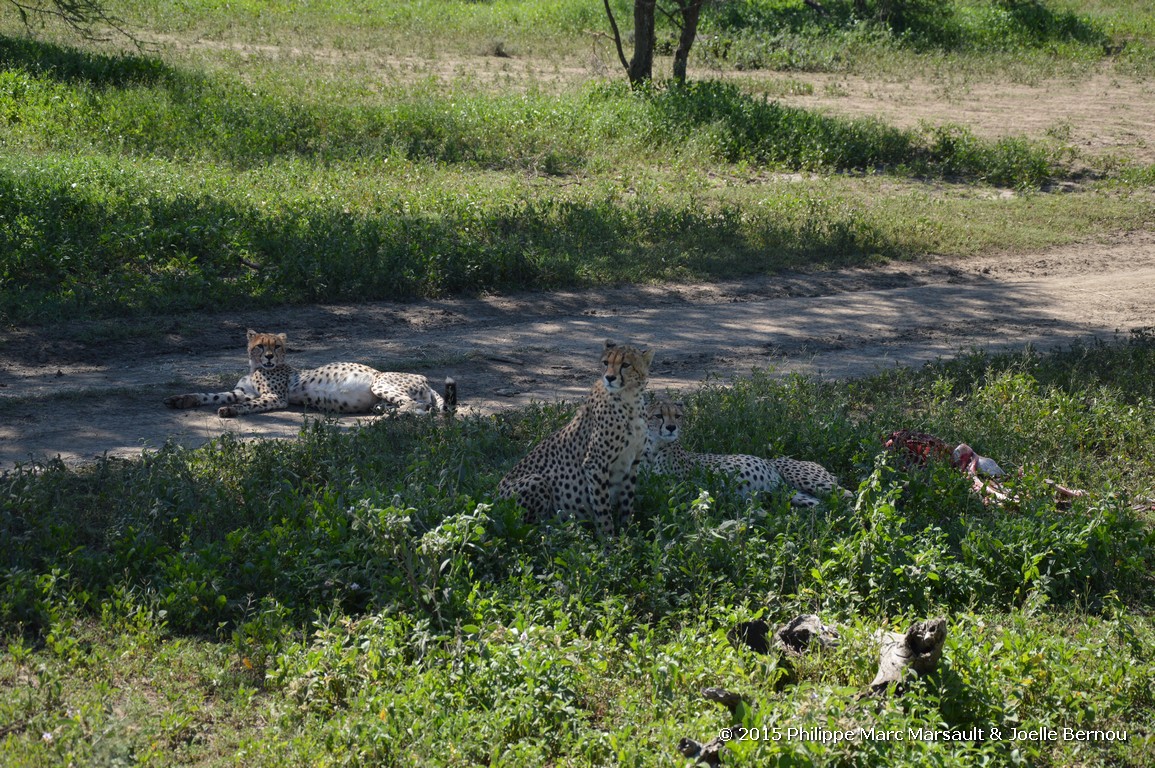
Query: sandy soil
{"points": [[1102, 115], [67, 392]]}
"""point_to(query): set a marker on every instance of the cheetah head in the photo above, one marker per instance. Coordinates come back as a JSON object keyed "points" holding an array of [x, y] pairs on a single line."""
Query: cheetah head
{"points": [[266, 350], [664, 418], [626, 366]]}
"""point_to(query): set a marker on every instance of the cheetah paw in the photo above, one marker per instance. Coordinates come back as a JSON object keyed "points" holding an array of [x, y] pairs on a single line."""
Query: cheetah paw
{"points": [[182, 401]]}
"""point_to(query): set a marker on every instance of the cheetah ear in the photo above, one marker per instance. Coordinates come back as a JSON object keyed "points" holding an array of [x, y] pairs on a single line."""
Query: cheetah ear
{"points": [[679, 404], [610, 344], [251, 333], [648, 356], [284, 339]]}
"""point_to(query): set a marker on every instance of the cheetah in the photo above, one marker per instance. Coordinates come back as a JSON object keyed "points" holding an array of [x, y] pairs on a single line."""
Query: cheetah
{"points": [[587, 471], [273, 384], [665, 456]]}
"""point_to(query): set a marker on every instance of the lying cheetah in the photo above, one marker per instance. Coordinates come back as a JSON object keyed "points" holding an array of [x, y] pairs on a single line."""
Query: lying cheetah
{"points": [[666, 456], [340, 387], [588, 469]]}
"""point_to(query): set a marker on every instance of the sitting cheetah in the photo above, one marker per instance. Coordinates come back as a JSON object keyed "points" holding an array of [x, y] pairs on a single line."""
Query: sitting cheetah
{"points": [[588, 469], [666, 456], [341, 387]]}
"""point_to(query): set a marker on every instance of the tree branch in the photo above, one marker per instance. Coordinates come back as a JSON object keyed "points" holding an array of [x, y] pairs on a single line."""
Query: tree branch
{"points": [[82, 16], [617, 36], [673, 19], [817, 6]]}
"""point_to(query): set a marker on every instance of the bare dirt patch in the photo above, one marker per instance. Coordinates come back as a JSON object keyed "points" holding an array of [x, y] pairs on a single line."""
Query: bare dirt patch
{"points": [[1106, 114], [82, 390]]}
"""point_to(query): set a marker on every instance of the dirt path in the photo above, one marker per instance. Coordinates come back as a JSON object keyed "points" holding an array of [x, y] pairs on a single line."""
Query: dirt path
{"points": [[65, 392], [1102, 114]]}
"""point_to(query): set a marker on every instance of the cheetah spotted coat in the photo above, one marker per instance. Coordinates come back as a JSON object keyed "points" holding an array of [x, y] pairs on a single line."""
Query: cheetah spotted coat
{"points": [[665, 456], [273, 384], [587, 471]]}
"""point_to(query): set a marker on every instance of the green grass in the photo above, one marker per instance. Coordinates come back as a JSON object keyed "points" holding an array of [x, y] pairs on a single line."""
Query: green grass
{"points": [[357, 597], [145, 182], [98, 236], [779, 34], [57, 99], [409, 26], [132, 187]]}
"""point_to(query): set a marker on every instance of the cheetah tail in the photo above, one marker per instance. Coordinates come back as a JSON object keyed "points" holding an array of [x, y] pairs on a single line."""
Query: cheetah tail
{"points": [[450, 394]]}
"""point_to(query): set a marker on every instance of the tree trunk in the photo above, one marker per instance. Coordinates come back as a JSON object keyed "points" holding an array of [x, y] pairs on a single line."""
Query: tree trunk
{"points": [[691, 10], [641, 69]]}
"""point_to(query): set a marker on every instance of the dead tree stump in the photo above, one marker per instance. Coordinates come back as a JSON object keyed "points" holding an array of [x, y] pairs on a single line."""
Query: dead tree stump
{"points": [[919, 649], [796, 635], [793, 637]]}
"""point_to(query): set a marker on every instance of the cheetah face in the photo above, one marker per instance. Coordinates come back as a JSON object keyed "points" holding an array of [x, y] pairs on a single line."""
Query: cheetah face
{"points": [[266, 350], [626, 366], [664, 418]]}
